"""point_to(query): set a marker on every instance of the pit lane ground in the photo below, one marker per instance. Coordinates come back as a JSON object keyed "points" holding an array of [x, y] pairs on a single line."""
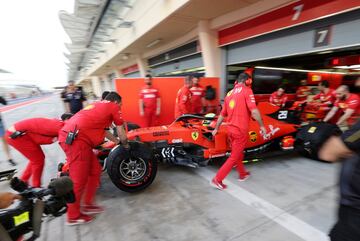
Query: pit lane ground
{"points": [[287, 198]]}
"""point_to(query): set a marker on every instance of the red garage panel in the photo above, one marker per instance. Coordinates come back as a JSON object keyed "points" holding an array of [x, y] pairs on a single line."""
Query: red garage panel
{"points": [[297, 13], [129, 89]]}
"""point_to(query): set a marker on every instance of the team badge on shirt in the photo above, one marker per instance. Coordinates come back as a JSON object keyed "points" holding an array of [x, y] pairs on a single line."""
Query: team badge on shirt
{"points": [[232, 104]]}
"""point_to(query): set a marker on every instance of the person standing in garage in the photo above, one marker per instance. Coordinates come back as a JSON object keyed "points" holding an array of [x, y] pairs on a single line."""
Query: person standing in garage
{"points": [[183, 99], [149, 102], [197, 96], [27, 136], [303, 91], [279, 97], [239, 106], [347, 102], [77, 138]]}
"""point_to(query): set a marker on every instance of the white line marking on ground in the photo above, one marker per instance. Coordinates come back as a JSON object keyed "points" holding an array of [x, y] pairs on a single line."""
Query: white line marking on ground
{"points": [[26, 105], [288, 221]]}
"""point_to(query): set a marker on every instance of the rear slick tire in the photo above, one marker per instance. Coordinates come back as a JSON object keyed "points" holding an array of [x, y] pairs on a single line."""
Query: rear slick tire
{"points": [[132, 171]]}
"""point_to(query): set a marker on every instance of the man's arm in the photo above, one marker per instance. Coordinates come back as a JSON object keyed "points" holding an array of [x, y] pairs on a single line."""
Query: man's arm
{"points": [[345, 116], [255, 113], [141, 107], [334, 149], [158, 106], [331, 114], [122, 135], [218, 123], [7, 198], [111, 137]]}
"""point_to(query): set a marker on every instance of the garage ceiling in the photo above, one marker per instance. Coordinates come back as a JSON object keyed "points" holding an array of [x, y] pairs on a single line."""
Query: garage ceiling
{"points": [[178, 24]]}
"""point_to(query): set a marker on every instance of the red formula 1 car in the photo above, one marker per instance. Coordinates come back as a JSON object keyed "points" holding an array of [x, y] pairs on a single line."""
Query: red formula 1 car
{"points": [[188, 141]]}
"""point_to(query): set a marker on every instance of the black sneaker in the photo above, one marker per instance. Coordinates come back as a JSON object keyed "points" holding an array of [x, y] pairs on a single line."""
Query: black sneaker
{"points": [[12, 163]]}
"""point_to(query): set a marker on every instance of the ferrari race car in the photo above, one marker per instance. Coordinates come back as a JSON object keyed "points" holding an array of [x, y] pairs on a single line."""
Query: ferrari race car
{"points": [[188, 141]]}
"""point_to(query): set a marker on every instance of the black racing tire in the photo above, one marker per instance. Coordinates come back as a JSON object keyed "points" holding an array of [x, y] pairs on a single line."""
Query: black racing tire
{"points": [[132, 126], [132, 171]]}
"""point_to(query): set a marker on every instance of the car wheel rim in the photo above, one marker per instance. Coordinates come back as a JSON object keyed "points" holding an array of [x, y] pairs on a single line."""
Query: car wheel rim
{"points": [[133, 169]]}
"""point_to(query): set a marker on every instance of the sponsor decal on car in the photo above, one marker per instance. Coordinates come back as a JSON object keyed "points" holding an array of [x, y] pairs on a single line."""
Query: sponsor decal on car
{"points": [[161, 133], [177, 140]]}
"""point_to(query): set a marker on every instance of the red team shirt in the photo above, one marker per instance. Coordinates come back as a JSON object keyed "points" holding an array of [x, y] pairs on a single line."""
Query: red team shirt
{"points": [[302, 93], [353, 102], [42, 130], [183, 102], [238, 105], [278, 100], [328, 98], [197, 93], [149, 97], [92, 122]]}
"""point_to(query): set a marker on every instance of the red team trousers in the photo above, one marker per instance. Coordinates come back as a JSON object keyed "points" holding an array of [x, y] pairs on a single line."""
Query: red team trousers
{"points": [[32, 151], [150, 117], [85, 171], [238, 141]]}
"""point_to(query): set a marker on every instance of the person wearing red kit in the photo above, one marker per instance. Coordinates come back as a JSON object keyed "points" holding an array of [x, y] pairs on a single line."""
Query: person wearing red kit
{"points": [[349, 104], [326, 96], [197, 96], [27, 136], [183, 99], [239, 106], [78, 137], [303, 91], [279, 97], [149, 102]]}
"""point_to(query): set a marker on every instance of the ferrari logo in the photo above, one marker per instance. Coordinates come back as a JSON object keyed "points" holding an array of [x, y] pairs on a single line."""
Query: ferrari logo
{"points": [[253, 136], [195, 135], [232, 104]]}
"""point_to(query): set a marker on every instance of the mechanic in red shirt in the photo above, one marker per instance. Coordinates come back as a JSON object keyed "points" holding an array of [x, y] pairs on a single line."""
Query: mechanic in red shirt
{"points": [[90, 125], [27, 136], [239, 106], [350, 105], [303, 91], [326, 96], [183, 99], [279, 97], [149, 103], [197, 96]]}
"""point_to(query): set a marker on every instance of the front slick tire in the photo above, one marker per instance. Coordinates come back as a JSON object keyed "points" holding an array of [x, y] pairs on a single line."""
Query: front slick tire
{"points": [[134, 171]]}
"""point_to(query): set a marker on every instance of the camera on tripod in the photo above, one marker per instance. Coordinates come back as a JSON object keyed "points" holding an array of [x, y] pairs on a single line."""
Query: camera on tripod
{"points": [[36, 203]]}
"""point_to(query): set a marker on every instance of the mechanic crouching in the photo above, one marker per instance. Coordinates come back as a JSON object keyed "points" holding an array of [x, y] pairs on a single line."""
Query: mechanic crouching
{"points": [[78, 137], [27, 136], [239, 106]]}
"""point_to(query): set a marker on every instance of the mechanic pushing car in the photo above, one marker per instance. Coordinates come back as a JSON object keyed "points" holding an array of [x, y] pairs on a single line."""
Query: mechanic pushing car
{"points": [[350, 105], [239, 106], [279, 97], [197, 96], [183, 98], [27, 136], [149, 102], [327, 96], [83, 132]]}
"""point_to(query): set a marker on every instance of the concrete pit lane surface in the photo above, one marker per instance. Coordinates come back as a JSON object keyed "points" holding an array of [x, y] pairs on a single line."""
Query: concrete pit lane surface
{"points": [[286, 198]]}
